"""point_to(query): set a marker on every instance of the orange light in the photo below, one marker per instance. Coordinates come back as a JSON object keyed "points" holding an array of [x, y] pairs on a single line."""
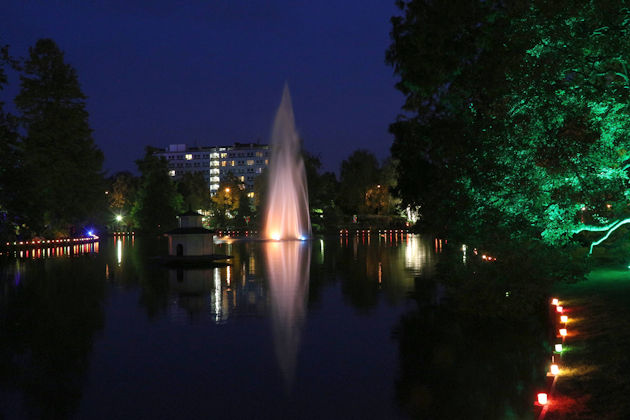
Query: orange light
{"points": [[542, 398], [564, 318], [563, 332], [554, 301]]}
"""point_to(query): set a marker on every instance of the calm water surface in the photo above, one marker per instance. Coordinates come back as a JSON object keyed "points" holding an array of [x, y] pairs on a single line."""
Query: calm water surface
{"points": [[324, 329]]}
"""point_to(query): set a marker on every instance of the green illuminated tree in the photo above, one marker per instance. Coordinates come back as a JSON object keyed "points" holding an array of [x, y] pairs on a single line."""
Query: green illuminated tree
{"points": [[516, 123], [62, 167]]}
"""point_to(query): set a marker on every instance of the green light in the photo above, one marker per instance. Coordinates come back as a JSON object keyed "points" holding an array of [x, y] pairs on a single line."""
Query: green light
{"points": [[612, 229], [588, 228]]}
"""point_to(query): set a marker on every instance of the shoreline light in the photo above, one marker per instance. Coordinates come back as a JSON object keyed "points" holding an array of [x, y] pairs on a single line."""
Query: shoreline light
{"points": [[554, 301], [563, 332], [559, 309], [558, 348], [564, 318], [542, 398], [554, 369]]}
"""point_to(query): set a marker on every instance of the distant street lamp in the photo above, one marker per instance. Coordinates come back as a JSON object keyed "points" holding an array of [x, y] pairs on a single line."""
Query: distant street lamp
{"points": [[119, 219]]}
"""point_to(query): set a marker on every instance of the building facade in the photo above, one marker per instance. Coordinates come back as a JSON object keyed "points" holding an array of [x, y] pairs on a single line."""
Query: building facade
{"points": [[245, 160]]}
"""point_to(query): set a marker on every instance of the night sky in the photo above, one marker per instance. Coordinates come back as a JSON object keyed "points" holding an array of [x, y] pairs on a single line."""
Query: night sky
{"points": [[212, 72]]}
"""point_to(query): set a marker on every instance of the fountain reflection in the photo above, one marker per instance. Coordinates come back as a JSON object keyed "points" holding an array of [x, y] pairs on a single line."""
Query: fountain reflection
{"points": [[287, 266]]}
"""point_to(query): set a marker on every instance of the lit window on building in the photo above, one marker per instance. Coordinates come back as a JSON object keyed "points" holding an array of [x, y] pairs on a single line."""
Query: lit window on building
{"points": [[259, 170], [223, 155], [224, 163], [259, 154], [171, 173], [266, 161], [250, 162], [189, 156], [242, 178], [232, 163], [250, 194]]}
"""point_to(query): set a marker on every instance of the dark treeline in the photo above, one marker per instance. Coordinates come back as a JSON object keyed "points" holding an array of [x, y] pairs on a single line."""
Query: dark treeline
{"points": [[150, 202], [51, 180], [52, 183]]}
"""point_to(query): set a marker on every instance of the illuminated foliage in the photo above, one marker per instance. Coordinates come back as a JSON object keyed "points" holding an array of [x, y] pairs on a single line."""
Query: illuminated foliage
{"points": [[517, 117], [122, 192]]}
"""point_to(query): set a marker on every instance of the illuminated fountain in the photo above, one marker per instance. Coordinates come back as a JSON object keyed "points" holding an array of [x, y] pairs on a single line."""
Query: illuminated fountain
{"points": [[287, 221], [287, 213]]}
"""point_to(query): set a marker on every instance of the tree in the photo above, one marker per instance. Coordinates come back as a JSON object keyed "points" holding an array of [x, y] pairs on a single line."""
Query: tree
{"points": [[158, 202], [122, 191], [122, 197], [9, 157], [227, 200], [323, 189], [516, 117], [62, 168], [359, 172], [194, 189]]}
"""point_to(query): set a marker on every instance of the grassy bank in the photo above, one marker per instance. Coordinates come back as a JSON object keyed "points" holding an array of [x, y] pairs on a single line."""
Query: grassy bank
{"points": [[595, 376]]}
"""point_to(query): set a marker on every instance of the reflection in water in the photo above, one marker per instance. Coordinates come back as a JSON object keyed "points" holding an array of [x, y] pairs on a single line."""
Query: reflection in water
{"points": [[418, 256], [453, 362], [288, 275], [50, 312], [218, 312], [119, 251], [50, 251]]}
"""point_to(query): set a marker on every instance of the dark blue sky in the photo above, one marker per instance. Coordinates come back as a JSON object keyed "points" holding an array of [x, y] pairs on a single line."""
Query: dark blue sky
{"points": [[160, 72]]}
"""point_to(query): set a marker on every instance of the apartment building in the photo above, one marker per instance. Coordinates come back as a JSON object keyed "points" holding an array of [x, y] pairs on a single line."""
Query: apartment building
{"points": [[245, 160]]}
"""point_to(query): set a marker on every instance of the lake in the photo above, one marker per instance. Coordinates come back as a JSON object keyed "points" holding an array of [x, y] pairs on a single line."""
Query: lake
{"points": [[339, 327]]}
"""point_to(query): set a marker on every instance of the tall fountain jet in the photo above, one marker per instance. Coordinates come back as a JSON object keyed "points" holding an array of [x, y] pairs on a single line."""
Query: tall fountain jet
{"points": [[287, 213]]}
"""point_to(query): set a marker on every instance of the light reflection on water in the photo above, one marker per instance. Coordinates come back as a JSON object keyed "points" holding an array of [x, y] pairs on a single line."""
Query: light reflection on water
{"points": [[268, 284], [53, 251], [288, 266]]}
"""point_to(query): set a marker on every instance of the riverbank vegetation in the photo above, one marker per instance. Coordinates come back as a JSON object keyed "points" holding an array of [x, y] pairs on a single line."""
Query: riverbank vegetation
{"points": [[516, 120]]}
